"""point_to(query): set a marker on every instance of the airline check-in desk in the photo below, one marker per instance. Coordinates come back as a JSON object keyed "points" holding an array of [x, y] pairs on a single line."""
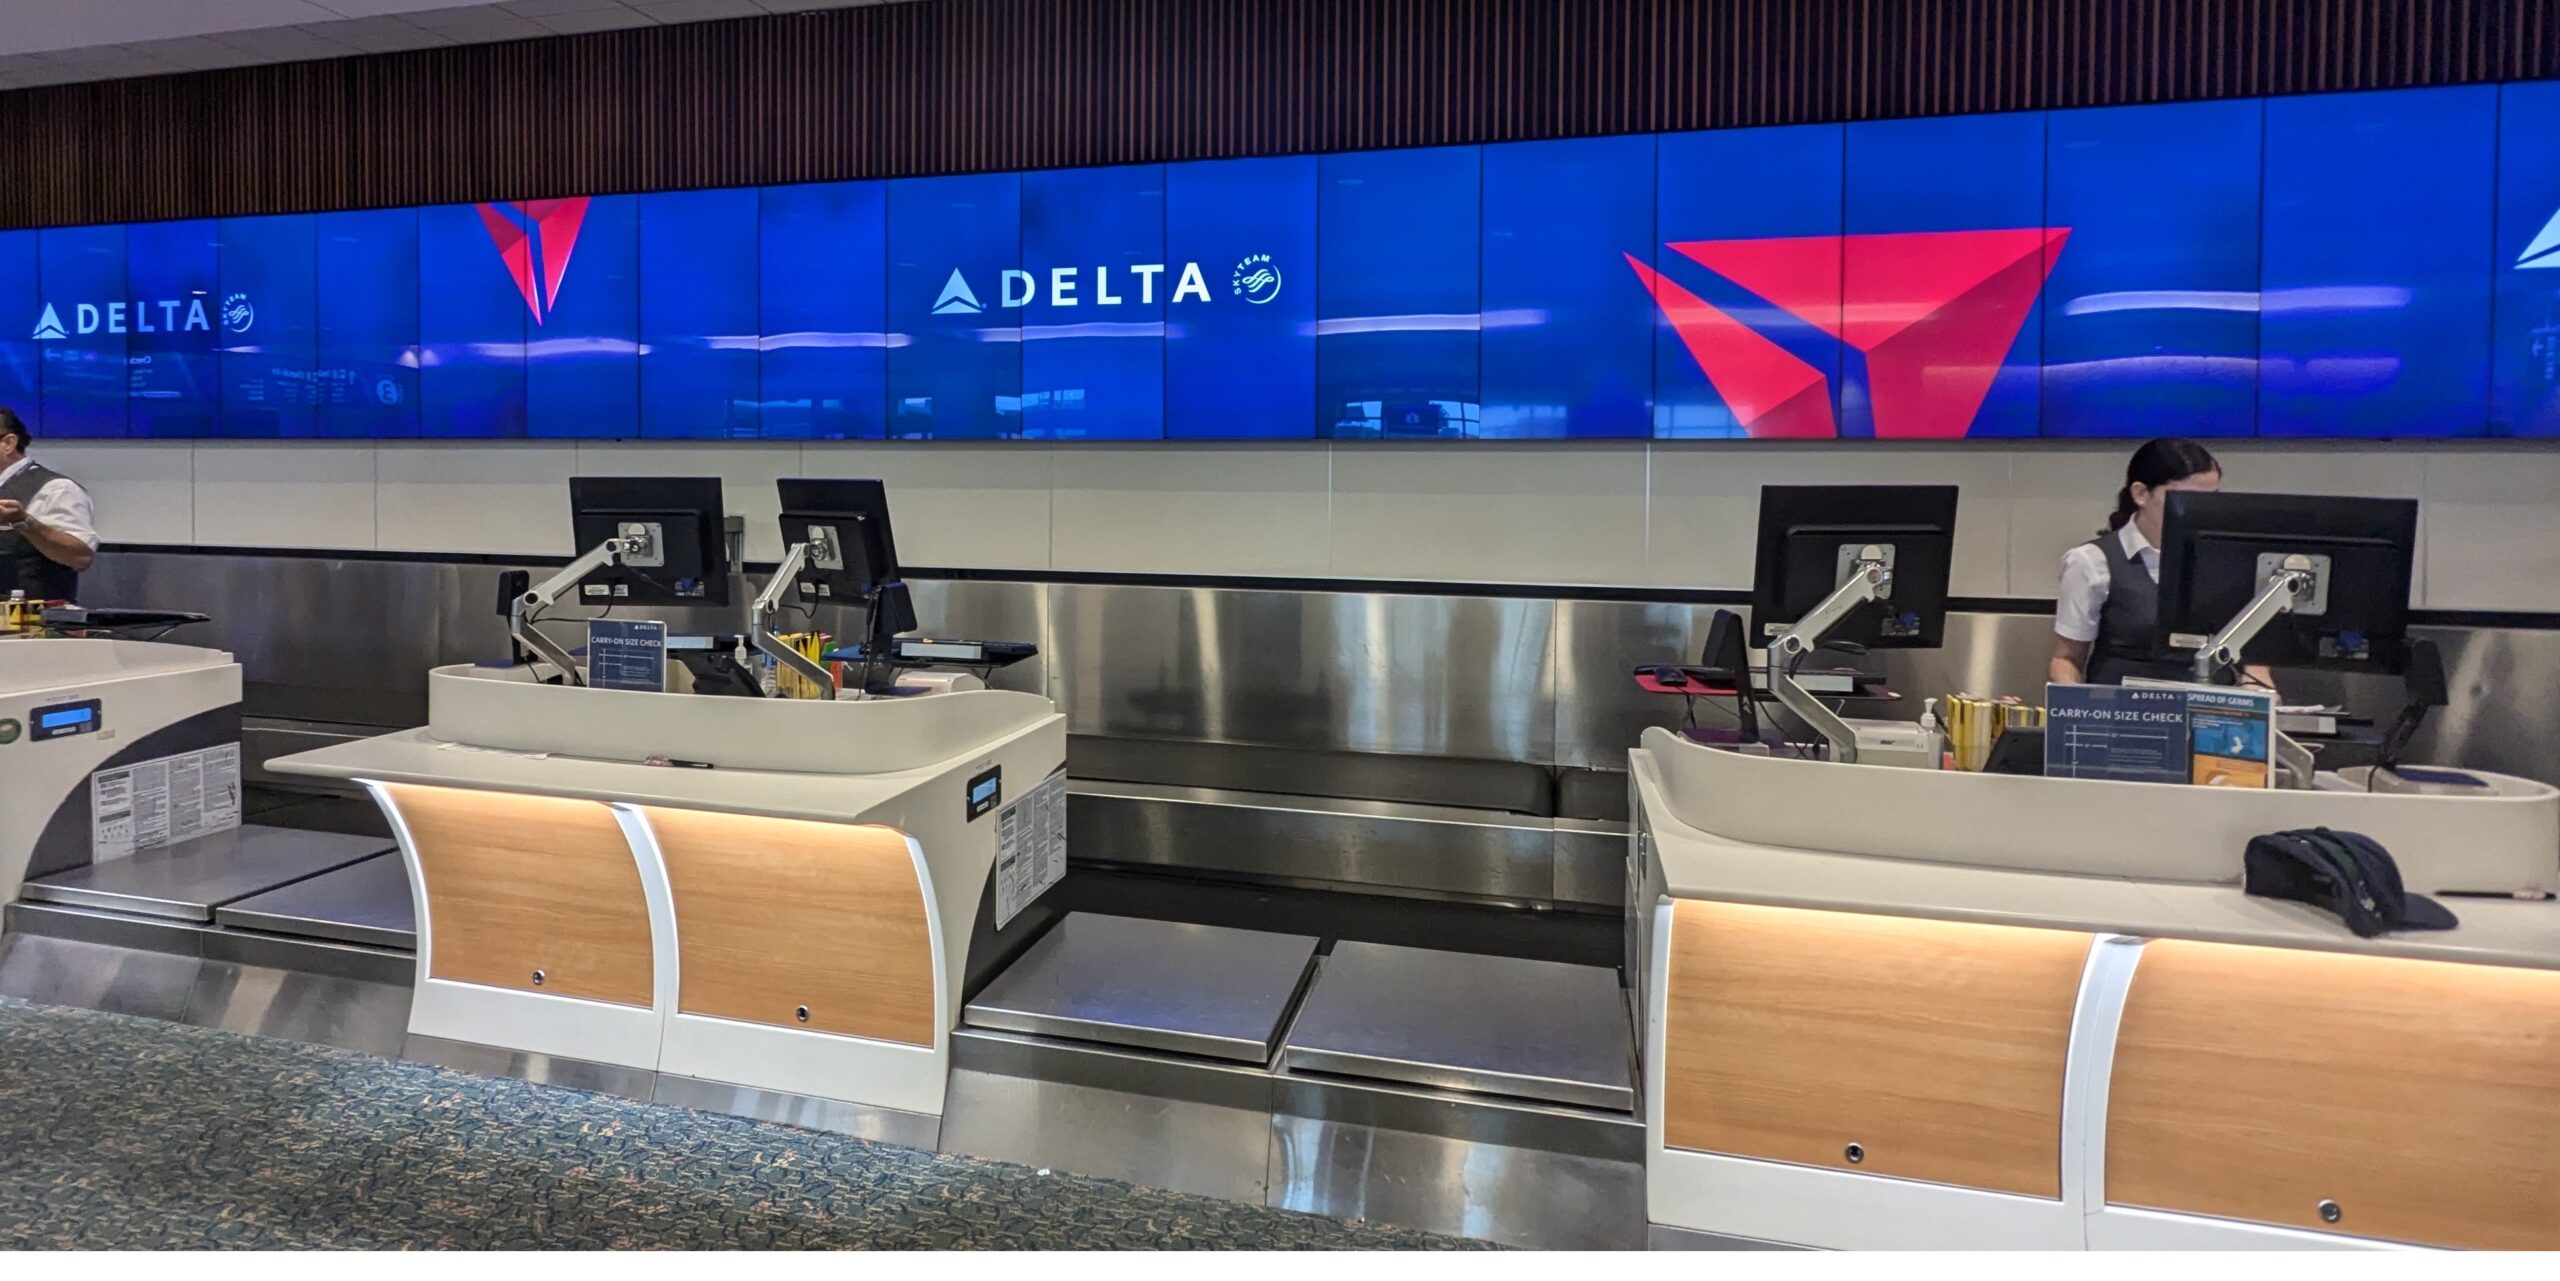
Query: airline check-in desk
{"points": [[1911, 1008], [790, 906]]}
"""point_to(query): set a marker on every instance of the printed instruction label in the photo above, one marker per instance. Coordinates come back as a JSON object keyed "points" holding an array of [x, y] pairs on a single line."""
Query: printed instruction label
{"points": [[1031, 846], [160, 802]]}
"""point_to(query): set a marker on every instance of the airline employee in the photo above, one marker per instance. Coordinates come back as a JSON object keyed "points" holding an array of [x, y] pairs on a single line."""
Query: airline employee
{"points": [[2106, 615], [47, 535]]}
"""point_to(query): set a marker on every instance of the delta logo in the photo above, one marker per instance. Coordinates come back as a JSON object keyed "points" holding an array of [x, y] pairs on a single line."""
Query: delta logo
{"points": [[534, 240], [1931, 314]]}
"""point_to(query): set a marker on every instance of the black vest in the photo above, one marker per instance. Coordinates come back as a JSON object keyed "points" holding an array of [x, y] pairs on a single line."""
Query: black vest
{"points": [[22, 567], [2128, 641]]}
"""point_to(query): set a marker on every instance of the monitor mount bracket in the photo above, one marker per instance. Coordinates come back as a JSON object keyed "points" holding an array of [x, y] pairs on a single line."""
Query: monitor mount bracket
{"points": [[2290, 587], [521, 612], [1870, 578], [769, 602]]}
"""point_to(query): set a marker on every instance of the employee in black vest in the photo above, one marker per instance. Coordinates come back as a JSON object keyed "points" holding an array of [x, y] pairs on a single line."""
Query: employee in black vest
{"points": [[2106, 615], [46, 533]]}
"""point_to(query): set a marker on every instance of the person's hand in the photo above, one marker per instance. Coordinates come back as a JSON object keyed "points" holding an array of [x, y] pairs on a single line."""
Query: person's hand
{"points": [[11, 512]]}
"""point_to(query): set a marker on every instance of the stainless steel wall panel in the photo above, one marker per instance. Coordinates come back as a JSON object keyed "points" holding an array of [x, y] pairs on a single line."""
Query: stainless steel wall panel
{"points": [[982, 610], [1428, 675], [1368, 845]]}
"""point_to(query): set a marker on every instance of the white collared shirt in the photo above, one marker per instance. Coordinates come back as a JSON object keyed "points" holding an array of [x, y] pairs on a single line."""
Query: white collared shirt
{"points": [[2082, 598], [62, 504]]}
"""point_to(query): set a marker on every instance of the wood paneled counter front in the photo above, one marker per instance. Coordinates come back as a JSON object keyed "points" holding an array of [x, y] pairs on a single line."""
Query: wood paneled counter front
{"points": [[1853, 1050], [804, 933]]}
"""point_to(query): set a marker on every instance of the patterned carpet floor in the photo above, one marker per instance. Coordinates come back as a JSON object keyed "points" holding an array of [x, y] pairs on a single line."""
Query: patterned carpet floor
{"points": [[123, 1133]]}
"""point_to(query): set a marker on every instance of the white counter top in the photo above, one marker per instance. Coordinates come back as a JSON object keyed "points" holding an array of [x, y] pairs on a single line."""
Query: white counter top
{"points": [[411, 756], [1699, 864], [30, 665]]}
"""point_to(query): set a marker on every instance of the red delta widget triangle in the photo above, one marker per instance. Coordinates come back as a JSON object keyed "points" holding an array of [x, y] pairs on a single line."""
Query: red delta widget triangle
{"points": [[1934, 312], [536, 250]]}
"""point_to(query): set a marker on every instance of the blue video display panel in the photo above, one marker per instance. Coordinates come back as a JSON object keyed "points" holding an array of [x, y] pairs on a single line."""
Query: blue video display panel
{"points": [[698, 273], [822, 300], [1567, 347], [171, 319], [2374, 307], [952, 241], [269, 343], [475, 269], [21, 300], [82, 331], [1098, 290], [1244, 368], [1399, 293], [2349, 265], [582, 349], [2524, 388], [367, 351], [1744, 278], [1943, 261], [2151, 310]]}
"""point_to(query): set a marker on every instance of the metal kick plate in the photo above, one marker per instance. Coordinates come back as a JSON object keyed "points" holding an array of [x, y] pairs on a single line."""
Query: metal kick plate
{"points": [[366, 902], [1155, 985], [1457, 1021], [186, 881]]}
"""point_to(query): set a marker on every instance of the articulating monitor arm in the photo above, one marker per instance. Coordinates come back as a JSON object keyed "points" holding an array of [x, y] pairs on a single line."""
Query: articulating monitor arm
{"points": [[1870, 577], [2286, 589], [767, 603], [521, 612]]}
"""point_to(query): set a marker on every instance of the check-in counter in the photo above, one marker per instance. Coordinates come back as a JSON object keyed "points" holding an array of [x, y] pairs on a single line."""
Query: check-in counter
{"points": [[70, 709], [1893, 1008], [790, 907]]}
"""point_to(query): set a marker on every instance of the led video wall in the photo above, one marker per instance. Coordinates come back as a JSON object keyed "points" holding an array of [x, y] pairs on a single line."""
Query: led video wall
{"points": [[2354, 265]]}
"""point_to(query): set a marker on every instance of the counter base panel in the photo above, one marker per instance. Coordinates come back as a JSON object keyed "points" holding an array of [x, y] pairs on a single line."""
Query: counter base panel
{"points": [[880, 1125], [2118, 1228], [817, 1065], [533, 1023], [1208, 990], [541, 1069], [1662, 1236]]}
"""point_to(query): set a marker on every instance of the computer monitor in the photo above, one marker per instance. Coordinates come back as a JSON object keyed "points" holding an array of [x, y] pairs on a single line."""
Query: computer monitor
{"points": [[683, 555], [2219, 550], [846, 526], [1811, 537]]}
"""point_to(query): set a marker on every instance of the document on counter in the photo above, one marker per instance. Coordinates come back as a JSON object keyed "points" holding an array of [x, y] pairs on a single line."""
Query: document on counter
{"points": [[159, 802], [1031, 846]]}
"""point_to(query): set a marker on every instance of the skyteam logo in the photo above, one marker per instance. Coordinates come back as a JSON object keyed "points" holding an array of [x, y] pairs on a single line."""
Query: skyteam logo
{"points": [[1104, 286], [1255, 280], [135, 316], [2544, 252], [238, 314]]}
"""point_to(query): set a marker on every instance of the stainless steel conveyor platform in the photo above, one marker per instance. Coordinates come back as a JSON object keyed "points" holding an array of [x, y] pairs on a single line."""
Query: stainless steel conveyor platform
{"points": [[190, 880]]}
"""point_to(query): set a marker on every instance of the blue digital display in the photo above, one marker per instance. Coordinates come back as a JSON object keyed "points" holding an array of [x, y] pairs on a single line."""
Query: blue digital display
{"points": [[1245, 367], [1745, 283], [2151, 311], [582, 352], [823, 293], [2346, 265], [476, 273], [72, 716], [952, 242], [1096, 291], [1567, 349], [1399, 293], [171, 321], [21, 351], [270, 349], [367, 353], [2374, 301], [2524, 387], [698, 272]]}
